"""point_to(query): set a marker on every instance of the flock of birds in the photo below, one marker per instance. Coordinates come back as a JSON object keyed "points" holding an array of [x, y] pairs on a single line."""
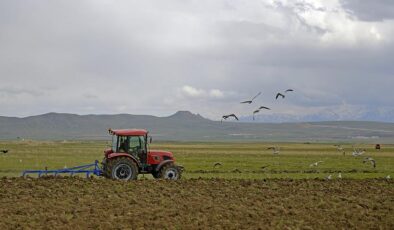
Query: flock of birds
{"points": [[276, 149], [355, 153], [258, 110]]}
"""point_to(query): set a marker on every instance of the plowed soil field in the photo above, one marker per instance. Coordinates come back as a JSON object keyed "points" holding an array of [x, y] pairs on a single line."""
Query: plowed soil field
{"points": [[76, 203]]}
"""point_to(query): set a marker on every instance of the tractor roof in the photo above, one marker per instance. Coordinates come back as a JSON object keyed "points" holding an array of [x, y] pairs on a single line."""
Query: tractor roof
{"points": [[128, 132]]}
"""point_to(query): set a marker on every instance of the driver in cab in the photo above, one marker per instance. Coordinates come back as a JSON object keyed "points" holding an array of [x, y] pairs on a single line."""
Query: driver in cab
{"points": [[131, 145]]}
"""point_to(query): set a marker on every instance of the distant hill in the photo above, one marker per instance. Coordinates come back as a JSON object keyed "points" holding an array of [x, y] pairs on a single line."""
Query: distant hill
{"points": [[186, 126]]}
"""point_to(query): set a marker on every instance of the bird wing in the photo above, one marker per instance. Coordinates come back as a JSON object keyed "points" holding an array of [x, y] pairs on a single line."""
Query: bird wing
{"points": [[246, 102], [233, 115], [289, 90], [256, 111], [256, 96], [279, 95], [263, 107]]}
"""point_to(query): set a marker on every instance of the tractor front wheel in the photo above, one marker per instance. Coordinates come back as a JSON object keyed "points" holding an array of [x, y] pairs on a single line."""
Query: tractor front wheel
{"points": [[156, 175], [170, 172], [122, 168]]}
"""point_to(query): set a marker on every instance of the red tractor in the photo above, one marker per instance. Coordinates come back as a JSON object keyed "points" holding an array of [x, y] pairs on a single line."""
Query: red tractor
{"points": [[130, 155]]}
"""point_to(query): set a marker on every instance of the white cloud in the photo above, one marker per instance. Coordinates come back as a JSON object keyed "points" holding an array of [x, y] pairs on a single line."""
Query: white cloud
{"points": [[216, 93], [192, 92], [333, 23]]}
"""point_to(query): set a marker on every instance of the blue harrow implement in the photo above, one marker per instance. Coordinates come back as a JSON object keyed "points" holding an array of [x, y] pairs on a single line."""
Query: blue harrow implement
{"points": [[89, 169]]}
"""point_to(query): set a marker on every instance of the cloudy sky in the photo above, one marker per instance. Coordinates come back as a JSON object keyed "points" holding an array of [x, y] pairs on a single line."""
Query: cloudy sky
{"points": [[157, 57]]}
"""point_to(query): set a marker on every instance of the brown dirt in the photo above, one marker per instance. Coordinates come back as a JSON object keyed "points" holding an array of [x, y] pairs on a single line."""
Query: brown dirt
{"points": [[75, 203]]}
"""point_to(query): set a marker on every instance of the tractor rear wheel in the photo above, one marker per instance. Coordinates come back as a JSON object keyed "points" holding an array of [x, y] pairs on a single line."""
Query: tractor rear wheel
{"points": [[170, 172], [122, 168]]}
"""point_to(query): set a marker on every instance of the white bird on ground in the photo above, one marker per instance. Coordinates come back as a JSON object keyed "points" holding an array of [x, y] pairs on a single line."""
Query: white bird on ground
{"points": [[329, 177], [358, 152], [388, 177], [275, 149], [339, 175], [370, 159], [340, 149], [315, 164]]}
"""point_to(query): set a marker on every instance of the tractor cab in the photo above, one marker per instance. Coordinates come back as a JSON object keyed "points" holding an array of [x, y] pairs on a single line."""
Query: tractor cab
{"points": [[130, 155], [133, 142]]}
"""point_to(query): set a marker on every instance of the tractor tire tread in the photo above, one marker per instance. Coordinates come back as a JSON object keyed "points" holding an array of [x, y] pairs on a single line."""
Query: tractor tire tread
{"points": [[111, 164], [165, 167]]}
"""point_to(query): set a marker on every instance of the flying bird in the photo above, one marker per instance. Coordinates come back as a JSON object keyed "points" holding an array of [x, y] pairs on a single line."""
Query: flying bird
{"points": [[275, 149], [259, 109], [224, 117], [250, 101], [263, 107], [4, 150], [371, 160], [315, 164], [283, 95], [279, 95]]}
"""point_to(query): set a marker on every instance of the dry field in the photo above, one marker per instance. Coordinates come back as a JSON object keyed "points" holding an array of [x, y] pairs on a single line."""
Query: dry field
{"points": [[76, 203]]}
